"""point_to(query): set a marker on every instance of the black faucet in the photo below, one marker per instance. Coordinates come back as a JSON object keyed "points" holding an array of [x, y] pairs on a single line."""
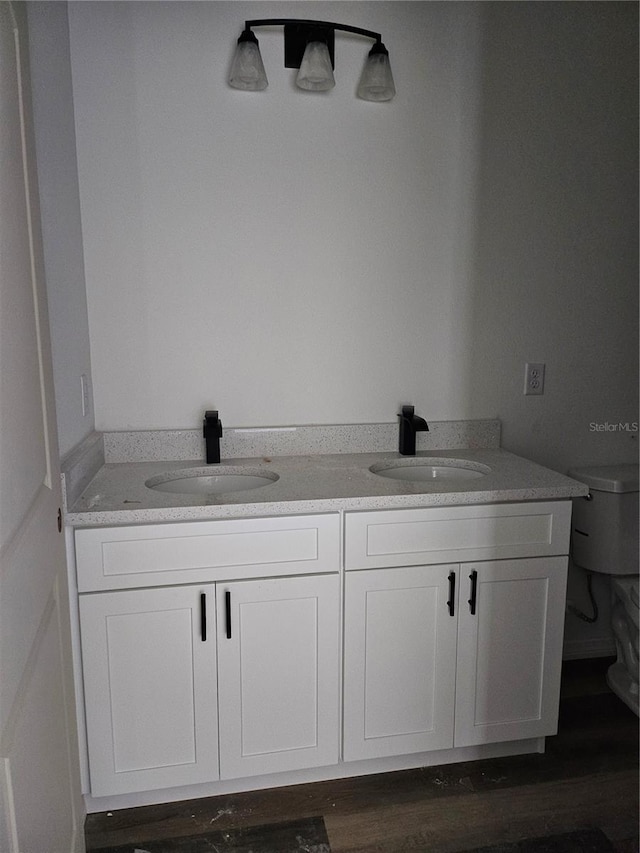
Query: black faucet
{"points": [[212, 432], [410, 424]]}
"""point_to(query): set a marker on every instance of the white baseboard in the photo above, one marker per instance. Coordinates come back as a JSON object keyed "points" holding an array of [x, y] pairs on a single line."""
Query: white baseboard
{"points": [[598, 647], [342, 770]]}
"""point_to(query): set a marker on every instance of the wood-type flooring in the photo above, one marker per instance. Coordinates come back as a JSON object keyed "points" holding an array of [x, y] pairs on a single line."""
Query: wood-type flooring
{"points": [[587, 778]]}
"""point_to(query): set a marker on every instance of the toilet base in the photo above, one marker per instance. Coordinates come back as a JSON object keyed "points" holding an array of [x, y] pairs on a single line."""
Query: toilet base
{"points": [[623, 685], [622, 677]]}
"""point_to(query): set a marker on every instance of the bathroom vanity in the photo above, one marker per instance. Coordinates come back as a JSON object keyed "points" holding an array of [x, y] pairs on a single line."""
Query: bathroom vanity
{"points": [[334, 623]]}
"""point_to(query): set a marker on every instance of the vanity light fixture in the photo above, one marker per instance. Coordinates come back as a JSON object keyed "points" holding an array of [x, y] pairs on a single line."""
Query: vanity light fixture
{"points": [[309, 46]]}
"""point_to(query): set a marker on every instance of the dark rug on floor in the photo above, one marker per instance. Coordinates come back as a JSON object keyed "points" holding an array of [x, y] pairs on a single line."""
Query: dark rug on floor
{"points": [[580, 841], [298, 836]]}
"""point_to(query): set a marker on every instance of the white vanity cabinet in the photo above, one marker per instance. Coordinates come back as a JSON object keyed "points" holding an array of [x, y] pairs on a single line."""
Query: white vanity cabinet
{"points": [[150, 687], [172, 670], [509, 653], [399, 662], [278, 674], [211, 650], [460, 653]]}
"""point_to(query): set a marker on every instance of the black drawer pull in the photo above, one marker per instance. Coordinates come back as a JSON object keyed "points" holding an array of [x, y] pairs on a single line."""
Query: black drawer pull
{"points": [[203, 616], [452, 591], [474, 592], [227, 607]]}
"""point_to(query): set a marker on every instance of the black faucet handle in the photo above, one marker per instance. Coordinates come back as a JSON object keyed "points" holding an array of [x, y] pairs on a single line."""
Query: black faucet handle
{"points": [[212, 432], [210, 417], [212, 421], [407, 412]]}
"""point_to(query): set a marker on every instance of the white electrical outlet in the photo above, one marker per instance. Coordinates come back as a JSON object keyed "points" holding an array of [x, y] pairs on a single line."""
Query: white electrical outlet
{"points": [[533, 378], [84, 385]]}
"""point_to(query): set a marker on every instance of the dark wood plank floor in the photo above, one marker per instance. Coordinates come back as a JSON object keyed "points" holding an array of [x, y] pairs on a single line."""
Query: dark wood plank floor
{"points": [[588, 777]]}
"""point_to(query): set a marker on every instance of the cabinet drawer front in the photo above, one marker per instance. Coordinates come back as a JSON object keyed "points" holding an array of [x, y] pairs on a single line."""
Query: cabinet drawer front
{"points": [[197, 552], [456, 534]]}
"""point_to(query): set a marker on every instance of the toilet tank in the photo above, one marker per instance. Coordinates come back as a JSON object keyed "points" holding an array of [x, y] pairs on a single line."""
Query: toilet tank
{"points": [[604, 525]]}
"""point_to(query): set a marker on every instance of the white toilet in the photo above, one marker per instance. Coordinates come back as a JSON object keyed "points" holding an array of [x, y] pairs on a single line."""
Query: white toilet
{"points": [[604, 539]]}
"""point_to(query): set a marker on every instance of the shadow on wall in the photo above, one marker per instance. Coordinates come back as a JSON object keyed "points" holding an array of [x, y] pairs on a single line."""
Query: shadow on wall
{"points": [[555, 265]]}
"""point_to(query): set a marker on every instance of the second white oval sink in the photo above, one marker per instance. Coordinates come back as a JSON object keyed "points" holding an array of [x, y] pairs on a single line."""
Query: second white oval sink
{"points": [[421, 470], [205, 481]]}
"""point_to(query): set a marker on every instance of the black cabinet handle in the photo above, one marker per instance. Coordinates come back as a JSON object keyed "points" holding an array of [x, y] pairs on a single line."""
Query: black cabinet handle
{"points": [[203, 616], [227, 606], [452, 591], [473, 577]]}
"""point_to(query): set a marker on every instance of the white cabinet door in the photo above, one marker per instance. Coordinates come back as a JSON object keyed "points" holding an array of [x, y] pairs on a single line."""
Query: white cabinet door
{"points": [[509, 649], [150, 685], [400, 660], [278, 666]]}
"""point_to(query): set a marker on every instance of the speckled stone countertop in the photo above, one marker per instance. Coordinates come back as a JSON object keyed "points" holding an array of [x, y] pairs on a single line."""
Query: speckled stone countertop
{"points": [[117, 494]]}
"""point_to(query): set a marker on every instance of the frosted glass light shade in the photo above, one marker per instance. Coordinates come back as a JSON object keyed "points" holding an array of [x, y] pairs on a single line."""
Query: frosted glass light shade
{"points": [[247, 70], [316, 74], [376, 82]]}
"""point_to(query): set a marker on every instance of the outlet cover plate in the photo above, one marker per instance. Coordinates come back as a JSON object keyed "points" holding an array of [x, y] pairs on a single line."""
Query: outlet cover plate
{"points": [[533, 378]]}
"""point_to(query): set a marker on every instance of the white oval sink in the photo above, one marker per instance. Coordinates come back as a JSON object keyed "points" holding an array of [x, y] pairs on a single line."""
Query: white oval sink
{"points": [[207, 481], [421, 470]]}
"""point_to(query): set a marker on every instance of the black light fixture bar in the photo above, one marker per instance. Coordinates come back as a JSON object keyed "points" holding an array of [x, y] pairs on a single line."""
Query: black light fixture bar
{"points": [[280, 22], [299, 31]]}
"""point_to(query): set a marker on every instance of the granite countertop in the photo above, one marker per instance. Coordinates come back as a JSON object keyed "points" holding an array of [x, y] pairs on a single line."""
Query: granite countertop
{"points": [[117, 494]]}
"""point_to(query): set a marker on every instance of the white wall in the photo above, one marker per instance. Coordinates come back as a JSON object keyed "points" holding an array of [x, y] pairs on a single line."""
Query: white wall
{"points": [[296, 258], [61, 227], [285, 257], [556, 248]]}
